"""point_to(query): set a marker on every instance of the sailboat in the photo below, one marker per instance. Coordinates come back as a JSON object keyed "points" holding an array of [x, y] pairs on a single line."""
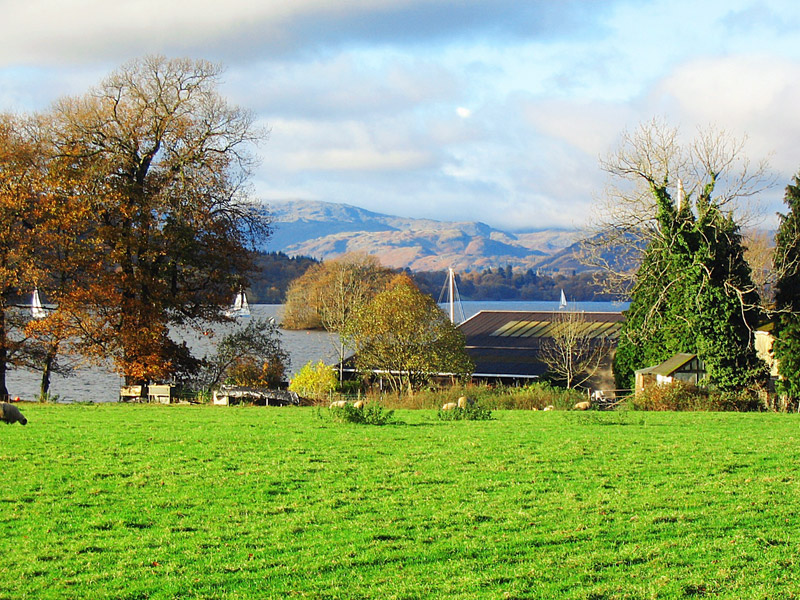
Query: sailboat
{"points": [[37, 310], [563, 304], [456, 309], [240, 308]]}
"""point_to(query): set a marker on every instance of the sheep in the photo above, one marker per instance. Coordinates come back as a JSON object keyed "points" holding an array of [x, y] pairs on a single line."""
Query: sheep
{"points": [[549, 407], [359, 404], [463, 402], [586, 405], [450, 406], [338, 404], [10, 414]]}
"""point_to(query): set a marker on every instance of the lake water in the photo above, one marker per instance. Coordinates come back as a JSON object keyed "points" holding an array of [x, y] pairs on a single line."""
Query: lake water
{"points": [[99, 384]]}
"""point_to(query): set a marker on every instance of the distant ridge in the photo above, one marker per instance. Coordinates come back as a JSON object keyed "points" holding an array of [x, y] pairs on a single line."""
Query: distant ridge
{"points": [[325, 230]]}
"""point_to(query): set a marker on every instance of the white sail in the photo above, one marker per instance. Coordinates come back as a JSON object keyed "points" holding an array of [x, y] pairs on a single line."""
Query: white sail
{"points": [[37, 311], [563, 303], [240, 308]]}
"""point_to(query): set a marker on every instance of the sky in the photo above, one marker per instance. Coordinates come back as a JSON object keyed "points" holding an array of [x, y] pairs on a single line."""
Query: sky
{"points": [[496, 111]]}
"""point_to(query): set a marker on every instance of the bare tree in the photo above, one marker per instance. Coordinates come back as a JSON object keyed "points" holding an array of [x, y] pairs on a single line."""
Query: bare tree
{"points": [[653, 160], [575, 351]]}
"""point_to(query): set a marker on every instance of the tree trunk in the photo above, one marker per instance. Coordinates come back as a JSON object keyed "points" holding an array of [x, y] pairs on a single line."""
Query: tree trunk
{"points": [[3, 357], [47, 369]]}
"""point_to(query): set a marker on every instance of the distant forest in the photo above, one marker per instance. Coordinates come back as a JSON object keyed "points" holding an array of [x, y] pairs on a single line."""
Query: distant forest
{"points": [[275, 272]]}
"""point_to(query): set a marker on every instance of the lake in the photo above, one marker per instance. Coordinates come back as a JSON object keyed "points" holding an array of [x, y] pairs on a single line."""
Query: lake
{"points": [[97, 384]]}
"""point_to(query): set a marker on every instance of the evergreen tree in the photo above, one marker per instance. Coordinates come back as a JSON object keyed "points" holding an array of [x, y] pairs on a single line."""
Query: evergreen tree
{"points": [[787, 294]]}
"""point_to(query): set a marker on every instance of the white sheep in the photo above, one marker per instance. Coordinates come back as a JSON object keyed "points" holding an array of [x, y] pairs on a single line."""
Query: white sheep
{"points": [[462, 402], [450, 406], [338, 404], [10, 414], [586, 405], [549, 407], [359, 404]]}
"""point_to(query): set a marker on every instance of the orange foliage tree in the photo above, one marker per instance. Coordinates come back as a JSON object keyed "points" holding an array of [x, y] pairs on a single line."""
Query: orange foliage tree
{"points": [[20, 214], [160, 162]]}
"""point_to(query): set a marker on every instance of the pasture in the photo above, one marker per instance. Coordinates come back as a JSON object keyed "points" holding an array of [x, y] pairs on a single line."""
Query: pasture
{"points": [[137, 501]]}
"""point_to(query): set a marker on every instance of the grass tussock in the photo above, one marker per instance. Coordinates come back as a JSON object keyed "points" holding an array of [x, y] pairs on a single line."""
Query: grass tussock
{"points": [[371, 413], [472, 412]]}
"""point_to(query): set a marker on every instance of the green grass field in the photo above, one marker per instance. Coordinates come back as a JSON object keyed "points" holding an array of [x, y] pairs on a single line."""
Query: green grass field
{"points": [[127, 501]]}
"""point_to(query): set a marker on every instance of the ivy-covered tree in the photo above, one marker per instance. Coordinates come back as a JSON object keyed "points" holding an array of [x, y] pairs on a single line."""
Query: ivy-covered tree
{"points": [[252, 355], [693, 291], [786, 262]]}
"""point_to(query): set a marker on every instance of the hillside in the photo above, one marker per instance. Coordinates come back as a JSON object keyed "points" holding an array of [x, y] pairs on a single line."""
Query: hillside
{"points": [[324, 230]]}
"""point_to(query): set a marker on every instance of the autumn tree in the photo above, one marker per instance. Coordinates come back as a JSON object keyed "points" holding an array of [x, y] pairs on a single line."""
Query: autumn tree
{"points": [[167, 159], [574, 352], [65, 258], [20, 214], [328, 293], [403, 335]]}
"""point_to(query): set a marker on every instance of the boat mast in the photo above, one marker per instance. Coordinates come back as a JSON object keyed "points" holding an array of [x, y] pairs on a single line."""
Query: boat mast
{"points": [[452, 283]]}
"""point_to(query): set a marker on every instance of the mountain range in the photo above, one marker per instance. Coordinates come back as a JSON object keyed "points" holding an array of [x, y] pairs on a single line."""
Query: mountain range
{"points": [[325, 230]]}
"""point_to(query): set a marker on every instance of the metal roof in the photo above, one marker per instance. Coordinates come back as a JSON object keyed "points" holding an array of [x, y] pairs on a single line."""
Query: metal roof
{"points": [[506, 343], [509, 328], [671, 365]]}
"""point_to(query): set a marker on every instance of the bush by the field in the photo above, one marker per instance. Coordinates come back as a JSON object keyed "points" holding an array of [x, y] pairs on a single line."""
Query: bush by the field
{"points": [[371, 413], [472, 412], [682, 396]]}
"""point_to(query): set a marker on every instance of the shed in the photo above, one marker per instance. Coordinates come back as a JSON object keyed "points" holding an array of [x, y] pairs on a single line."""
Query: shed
{"points": [[679, 367]]}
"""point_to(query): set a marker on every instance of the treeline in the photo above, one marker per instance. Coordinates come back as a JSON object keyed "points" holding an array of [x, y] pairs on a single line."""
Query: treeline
{"points": [[508, 284], [275, 271]]}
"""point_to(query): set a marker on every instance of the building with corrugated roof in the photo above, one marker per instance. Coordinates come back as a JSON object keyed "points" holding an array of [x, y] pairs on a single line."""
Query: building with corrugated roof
{"points": [[505, 345]]}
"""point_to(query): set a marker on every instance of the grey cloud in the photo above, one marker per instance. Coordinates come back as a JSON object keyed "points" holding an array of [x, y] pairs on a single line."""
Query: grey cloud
{"points": [[248, 30]]}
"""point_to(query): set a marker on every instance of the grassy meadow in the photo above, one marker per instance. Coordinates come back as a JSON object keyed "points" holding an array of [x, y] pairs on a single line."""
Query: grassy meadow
{"points": [[138, 501]]}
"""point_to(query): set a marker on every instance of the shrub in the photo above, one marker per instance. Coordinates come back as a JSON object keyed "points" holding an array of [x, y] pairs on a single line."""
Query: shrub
{"points": [[314, 380], [685, 396], [371, 414], [473, 412]]}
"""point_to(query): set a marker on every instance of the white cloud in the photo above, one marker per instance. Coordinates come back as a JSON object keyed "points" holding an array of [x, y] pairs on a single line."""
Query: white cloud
{"points": [[489, 110]]}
